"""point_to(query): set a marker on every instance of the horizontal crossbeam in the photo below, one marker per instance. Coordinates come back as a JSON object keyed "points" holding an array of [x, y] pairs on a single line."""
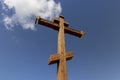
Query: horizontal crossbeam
{"points": [[54, 58], [54, 25]]}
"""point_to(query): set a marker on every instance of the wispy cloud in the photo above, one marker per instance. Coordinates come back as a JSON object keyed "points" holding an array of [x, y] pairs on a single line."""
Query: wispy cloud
{"points": [[22, 12], [8, 22]]}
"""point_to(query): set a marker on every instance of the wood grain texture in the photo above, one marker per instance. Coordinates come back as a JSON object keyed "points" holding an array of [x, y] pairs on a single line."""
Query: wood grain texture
{"points": [[62, 56], [55, 25]]}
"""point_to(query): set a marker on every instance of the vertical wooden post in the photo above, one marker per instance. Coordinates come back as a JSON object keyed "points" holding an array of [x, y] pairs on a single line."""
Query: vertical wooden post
{"points": [[61, 66], [60, 58]]}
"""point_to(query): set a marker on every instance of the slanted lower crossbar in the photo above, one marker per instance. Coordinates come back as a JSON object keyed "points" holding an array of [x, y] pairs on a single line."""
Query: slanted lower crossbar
{"points": [[54, 58]]}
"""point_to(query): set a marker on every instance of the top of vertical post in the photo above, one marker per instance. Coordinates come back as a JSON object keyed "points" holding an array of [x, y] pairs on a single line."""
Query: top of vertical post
{"points": [[61, 16]]}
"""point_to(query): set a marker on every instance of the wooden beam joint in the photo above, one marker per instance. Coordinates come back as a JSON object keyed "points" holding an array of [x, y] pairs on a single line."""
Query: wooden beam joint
{"points": [[54, 25], [54, 58]]}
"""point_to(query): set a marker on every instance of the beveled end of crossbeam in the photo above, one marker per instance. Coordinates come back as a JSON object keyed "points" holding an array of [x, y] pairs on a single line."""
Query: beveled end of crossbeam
{"points": [[82, 34], [37, 19]]}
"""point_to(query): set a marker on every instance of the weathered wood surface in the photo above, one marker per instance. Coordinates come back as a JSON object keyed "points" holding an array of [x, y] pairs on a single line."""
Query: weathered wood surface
{"points": [[61, 65], [55, 25], [54, 58], [62, 56]]}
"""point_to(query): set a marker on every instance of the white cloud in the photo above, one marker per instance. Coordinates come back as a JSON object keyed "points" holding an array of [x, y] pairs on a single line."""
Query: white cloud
{"points": [[8, 23], [26, 9]]}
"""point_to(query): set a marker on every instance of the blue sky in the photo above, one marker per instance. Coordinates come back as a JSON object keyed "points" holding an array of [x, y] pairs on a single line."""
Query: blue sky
{"points": [[24, 53]]}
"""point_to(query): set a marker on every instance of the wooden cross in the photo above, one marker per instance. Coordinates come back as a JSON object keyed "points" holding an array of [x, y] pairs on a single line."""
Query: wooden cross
{"points": [[60, 58]]}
